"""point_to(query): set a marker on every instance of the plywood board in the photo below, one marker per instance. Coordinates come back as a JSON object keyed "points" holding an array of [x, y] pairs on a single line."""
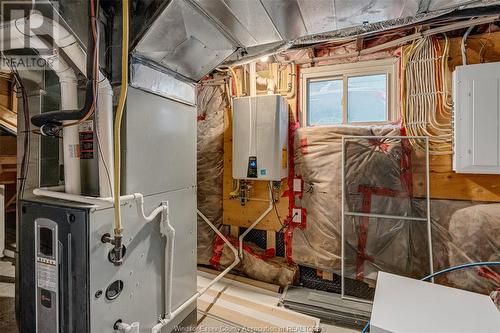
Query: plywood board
{"points": [[249, 306]]}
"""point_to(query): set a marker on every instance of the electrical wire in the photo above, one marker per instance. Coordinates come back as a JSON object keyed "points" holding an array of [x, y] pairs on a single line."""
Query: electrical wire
{"points": [[276, 211], [26, 141], [425, 95], [447, 270]]}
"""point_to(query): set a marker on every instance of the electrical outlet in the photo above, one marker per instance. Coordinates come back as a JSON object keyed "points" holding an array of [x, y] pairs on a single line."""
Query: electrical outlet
{"points": [[297, 215], [297, 185]]}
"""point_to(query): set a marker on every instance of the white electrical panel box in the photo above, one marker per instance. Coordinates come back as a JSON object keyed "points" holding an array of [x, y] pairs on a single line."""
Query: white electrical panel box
{"points": [[260, 138], [476, 91]]}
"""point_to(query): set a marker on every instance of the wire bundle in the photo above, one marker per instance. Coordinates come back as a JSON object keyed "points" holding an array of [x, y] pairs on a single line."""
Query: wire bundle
{"points": [[426, 106]]}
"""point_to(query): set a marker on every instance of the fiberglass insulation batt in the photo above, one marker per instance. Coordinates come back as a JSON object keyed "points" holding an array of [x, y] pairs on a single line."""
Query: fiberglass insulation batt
{"points": [[392, 245]]}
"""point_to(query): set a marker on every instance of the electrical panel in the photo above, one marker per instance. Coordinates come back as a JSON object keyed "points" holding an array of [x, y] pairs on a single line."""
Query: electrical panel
{"points": [[476, 91], [260, 138]]}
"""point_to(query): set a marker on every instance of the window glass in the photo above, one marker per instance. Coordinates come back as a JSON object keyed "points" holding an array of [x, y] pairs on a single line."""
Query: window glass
{"points": [[324, 102], [367, 98]]}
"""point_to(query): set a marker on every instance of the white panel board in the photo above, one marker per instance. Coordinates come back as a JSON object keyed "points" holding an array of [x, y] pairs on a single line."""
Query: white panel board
{"points": [[476, 90]]}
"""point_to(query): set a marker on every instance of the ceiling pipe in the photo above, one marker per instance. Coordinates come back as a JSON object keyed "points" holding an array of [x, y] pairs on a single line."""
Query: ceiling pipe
{"points": [[253, 78]]}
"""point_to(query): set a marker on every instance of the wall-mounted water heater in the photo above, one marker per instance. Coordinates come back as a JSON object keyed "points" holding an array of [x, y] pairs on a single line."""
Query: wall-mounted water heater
{"points": [[260, 138]]}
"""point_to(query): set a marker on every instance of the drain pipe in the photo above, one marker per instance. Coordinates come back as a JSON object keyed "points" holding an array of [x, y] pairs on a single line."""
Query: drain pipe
{"points": [[53, 192], [169, 253], [104, 120], [260, 218]]}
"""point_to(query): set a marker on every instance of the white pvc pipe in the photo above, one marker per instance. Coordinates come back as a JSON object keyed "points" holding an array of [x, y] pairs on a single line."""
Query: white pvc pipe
{"points": [[253, 79], [268, 82], [104, 116], [49, 193], [137, 197], [129, 328], [71, 139], [169, 233], [269, 208], [170, 315], [40, 25]]}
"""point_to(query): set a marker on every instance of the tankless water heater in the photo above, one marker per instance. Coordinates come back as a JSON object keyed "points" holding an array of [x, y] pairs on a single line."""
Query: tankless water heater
{"points": [[260, 138]]}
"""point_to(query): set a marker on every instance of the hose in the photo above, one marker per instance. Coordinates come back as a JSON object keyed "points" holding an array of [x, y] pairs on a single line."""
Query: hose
{"points": [[116, 133], [447, 270]]}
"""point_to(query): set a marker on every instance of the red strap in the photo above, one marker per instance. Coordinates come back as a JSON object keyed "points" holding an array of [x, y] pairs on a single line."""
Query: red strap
{"points": [[363, 234], [367, 192], [406, 175], [489, 274]]}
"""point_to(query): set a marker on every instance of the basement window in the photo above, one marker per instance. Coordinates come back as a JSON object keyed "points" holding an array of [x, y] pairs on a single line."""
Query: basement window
{"points": [[357, 93]]}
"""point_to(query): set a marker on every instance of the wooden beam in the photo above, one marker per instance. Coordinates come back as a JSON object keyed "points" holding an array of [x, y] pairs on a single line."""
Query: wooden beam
{"points": [[8, 159], [8, 119], [10, 201]]}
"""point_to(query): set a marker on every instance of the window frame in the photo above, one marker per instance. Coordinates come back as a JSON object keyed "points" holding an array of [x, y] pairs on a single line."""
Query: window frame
{"points": [[388, 66]]}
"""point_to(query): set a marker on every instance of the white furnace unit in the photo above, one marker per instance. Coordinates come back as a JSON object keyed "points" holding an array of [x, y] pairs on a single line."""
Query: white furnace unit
{"points": [[476, 90], [260, 138]]}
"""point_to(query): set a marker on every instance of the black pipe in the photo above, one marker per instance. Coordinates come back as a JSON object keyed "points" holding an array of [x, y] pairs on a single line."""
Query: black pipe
{"points": [[50, 122]]}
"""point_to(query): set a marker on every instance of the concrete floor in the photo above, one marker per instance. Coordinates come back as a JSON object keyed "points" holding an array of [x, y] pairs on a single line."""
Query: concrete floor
{"points": [[7, 293]]}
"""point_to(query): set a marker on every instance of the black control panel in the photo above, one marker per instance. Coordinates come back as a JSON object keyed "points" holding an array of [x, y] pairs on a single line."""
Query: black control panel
{"points": [[252, 167], [53, 276]]}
